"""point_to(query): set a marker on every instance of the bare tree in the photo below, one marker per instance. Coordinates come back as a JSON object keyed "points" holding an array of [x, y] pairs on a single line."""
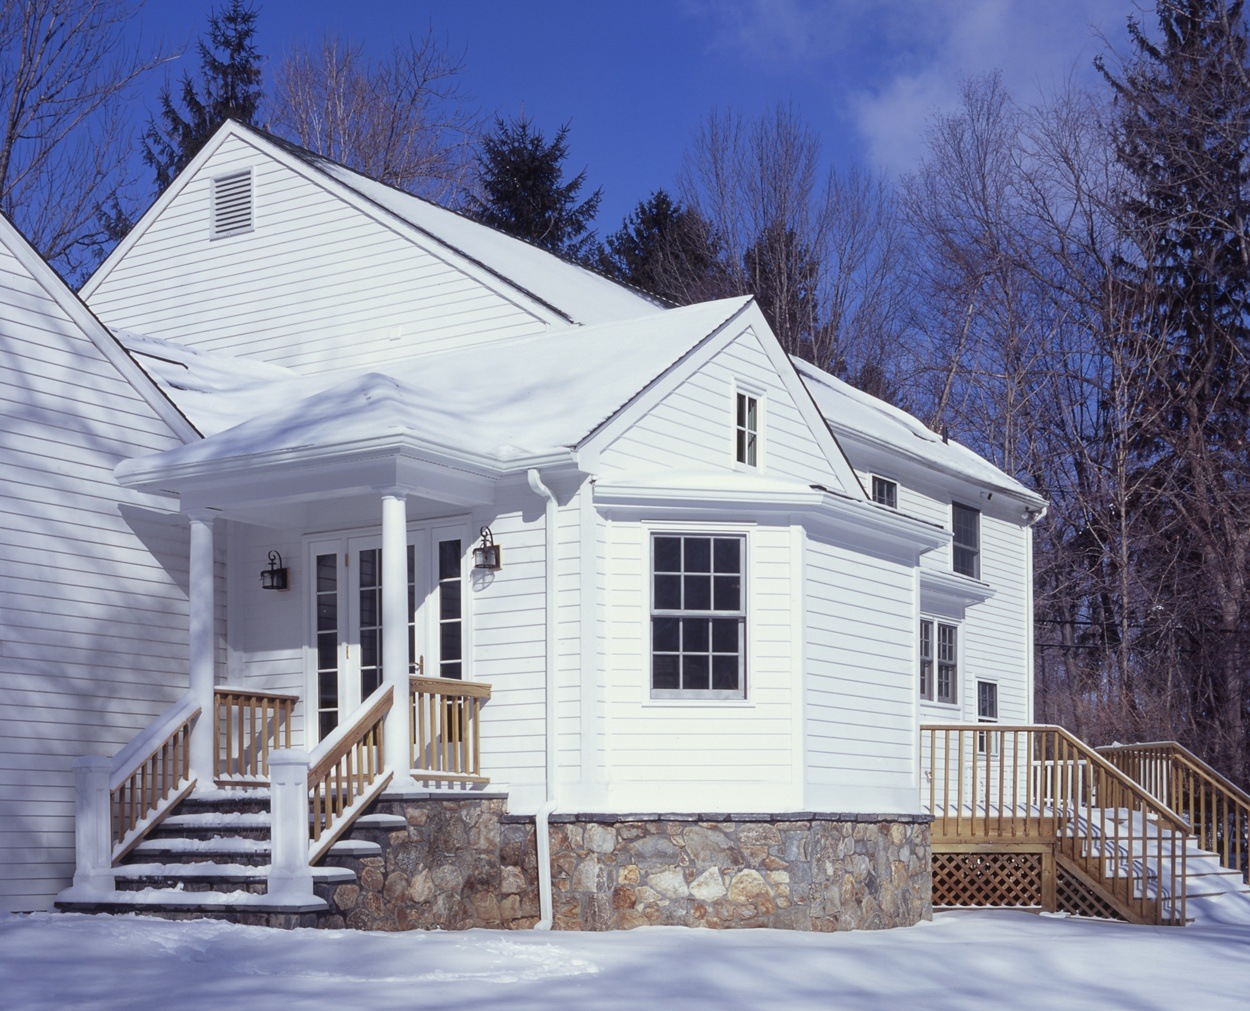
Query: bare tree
{"points": [[818, 248], [403, 119], [67, 68]]}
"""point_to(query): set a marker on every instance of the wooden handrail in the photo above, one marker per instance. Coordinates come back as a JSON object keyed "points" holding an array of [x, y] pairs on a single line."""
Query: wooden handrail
{"points": [[446, 729], [150, 776], [347, 771], [1216, 810], [249, 724], [1010, 785]]}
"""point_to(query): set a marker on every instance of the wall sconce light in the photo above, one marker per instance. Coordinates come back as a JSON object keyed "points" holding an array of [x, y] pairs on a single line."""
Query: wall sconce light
{"points": [[274, 577], [488, 554]]}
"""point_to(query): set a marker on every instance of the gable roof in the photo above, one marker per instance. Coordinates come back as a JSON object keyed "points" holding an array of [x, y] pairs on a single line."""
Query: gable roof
{"points": [[497, 407], [864, 418], [95, 331], [566, 291]]}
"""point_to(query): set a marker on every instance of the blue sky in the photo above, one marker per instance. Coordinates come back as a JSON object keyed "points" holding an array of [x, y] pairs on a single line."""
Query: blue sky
{"points": [[633, 79]]}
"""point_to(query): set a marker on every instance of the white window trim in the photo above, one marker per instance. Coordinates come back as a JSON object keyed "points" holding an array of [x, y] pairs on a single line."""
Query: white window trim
{"points": [[989, 720], [745, 388], [960, 674], [214, 233], [675, 698], [873, 479], [980, 540]]}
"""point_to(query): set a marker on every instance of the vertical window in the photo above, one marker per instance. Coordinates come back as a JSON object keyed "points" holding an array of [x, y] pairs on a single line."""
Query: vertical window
{"points": [[747, 430], [926, 659], [370, 594], [966, 526], [327, 643], [450, 604], [987, 711], [885, 492], [698, 617], [947, 663]]}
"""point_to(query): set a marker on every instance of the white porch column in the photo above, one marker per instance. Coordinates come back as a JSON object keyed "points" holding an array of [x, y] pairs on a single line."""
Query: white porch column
{"points": [[203, 614], [397, 746]]}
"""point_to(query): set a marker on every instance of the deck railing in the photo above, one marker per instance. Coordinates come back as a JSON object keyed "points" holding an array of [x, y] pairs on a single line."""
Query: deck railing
{"points": [[346, 771], [249, 724], [446, 729], [1006, 786], [149, 776], [1217, 811]]}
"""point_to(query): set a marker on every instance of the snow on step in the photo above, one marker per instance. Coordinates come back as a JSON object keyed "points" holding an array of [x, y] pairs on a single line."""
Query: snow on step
{"points": [[204, 870], [174, 898], [355, 848], [217, 844], [218, 819], [382, 821]]}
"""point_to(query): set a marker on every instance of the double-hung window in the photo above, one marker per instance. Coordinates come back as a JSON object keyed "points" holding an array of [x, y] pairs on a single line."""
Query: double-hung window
{"points": [[966, 526], [885, 492], [939, 661], [747, 429], [698, 616], [987, 711]]}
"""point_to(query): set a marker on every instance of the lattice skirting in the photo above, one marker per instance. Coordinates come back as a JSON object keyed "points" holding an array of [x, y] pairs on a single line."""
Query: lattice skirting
{"points": [[1073, 896], [987, 879]]}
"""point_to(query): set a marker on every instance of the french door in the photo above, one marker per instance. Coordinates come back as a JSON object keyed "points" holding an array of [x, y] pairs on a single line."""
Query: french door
{"points": [[345, 659]]}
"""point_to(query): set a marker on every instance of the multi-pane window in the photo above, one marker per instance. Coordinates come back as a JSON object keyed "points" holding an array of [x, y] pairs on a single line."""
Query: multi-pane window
{"points": [[747, 429], [885, 492], [966, 526], [327, 636], [698, 616], [450, 606], [987, 711], [939, 661]]}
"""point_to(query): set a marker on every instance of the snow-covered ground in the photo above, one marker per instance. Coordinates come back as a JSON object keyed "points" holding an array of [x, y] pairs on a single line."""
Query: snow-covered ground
{"points": [[961, 960]]}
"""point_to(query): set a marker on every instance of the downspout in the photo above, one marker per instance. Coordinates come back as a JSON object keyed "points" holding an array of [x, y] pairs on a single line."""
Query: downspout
{"points": [[542, 836]]}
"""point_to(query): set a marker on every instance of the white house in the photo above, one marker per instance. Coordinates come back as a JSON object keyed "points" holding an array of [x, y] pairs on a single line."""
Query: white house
{"points": [[730, 587]]}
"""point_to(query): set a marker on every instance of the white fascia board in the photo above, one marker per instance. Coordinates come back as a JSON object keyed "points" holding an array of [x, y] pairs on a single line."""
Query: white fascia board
{"points": [[950, 593], [891, 453], [96, 332], [853, 520], [411, 456]]}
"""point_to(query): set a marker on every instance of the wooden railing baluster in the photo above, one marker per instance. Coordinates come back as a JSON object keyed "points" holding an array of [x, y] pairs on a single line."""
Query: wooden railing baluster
{"points": [[446, 729], [250, 724]]}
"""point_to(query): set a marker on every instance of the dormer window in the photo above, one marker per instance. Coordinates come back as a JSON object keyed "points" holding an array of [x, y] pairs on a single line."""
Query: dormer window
{"points": [[747, 429], [885, 492], [232, 204]]}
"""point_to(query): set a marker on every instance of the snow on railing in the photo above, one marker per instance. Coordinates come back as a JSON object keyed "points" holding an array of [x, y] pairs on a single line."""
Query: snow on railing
{"points": [[1038, 787], [346, 771], [1218, 812]]}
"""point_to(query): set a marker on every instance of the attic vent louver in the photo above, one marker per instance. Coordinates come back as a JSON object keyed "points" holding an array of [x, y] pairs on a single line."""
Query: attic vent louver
{"points": [[232, 204]]}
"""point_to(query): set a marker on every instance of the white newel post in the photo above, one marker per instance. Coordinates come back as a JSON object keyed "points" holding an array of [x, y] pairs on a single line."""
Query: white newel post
{"points": [[93, 828], [290, 877], [203, 612], [397, 730]]}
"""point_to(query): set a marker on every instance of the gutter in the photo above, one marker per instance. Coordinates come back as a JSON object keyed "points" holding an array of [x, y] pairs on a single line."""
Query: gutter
{"points": [[542, 837]]}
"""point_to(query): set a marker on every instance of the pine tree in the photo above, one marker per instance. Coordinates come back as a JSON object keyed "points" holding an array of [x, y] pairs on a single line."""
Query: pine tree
{"points": [[784, 276], [1183, 137], [230, 88], [667, 249], [521, 177]]}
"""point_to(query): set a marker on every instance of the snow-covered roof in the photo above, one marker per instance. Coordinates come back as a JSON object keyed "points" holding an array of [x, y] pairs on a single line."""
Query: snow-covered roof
{"points": [[853, 414], [527, 397], [578, 294]]}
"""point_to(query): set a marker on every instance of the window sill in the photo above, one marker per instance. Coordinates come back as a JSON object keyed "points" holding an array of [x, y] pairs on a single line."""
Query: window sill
{"points": [[651, 703]]}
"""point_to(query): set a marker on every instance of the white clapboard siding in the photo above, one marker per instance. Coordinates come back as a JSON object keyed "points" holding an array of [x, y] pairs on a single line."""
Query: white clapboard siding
{"points": [[666, 755], [315, 284], [694, 425], [93, 601], [859, 686]]}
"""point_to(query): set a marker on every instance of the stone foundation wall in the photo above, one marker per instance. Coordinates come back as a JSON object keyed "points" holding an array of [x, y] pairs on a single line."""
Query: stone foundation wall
{"points": [[463, 862], [819, 872]]}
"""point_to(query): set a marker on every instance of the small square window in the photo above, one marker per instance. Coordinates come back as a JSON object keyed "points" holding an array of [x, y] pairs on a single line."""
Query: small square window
{"points": [[885, 492], [746, 430], [966, 526]]}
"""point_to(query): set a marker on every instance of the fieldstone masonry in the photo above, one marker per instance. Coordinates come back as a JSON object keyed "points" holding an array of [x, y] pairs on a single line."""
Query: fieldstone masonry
{"points": [[463, 862], [793, 871]]}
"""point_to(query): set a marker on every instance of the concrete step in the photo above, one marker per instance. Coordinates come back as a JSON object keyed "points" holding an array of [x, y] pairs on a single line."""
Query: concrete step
{"points": [[208, 876]]}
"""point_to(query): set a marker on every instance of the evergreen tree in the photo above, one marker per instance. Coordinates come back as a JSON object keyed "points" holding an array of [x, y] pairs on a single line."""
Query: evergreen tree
{"points": [[784, 275], [230, 88], [521, 177], [1183, 136], [666, 249]]}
